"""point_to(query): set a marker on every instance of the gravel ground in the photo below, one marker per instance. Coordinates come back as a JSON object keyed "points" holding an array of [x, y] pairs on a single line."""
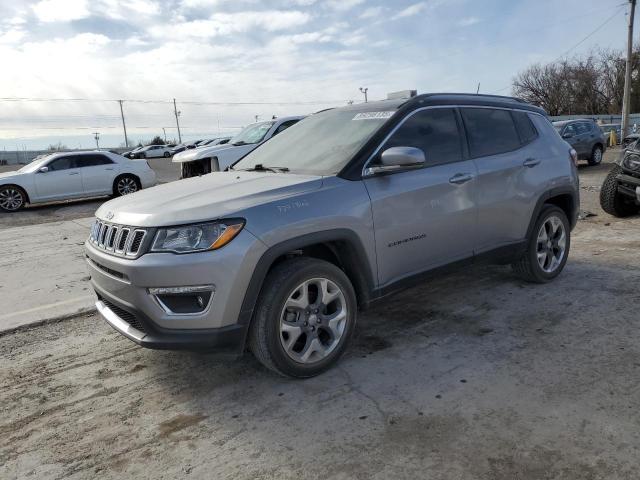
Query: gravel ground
{"points": [[475, 375], [166, 171]]}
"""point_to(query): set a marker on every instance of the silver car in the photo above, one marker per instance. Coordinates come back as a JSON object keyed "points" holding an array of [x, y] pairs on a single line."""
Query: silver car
{"points": [[345, 207]]}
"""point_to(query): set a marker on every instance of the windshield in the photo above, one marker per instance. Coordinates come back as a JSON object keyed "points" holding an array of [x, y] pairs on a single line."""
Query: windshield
{"points": [[35, 165], [320, 144], [558, 127], [252, 134]]}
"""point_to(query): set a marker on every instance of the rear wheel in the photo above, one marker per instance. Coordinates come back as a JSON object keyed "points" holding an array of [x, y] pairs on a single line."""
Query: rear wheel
{"points": [[305, 317], [596, 155], [167, 154], [547, 247], [612, 201], [12, 198], [125, 185]]}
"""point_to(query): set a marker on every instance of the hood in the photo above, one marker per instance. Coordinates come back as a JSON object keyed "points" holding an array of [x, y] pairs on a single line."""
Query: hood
{"points": [[203, 152], [198, 199]]}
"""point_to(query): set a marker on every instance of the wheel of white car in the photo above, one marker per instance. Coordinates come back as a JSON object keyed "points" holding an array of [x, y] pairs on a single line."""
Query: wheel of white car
{"points": [[167, 154], [304, 318], [125, 184], [12, 198]]}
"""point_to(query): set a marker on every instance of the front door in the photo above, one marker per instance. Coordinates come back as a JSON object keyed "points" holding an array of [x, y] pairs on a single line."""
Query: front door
{"points": [[425, 218], [62, 180]]}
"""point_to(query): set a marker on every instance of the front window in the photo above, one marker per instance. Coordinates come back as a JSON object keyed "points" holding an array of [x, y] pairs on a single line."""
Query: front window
{"points": [[252, 134], [321, 144]]}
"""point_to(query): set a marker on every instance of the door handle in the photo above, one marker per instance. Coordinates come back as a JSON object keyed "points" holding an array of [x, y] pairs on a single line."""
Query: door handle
{"points": [[531, 162], [108, 168], [74, 173], [460, 178]]}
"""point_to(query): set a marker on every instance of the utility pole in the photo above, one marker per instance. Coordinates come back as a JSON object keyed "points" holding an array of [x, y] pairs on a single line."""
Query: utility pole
{"points": [[177, 113], [364, 91], [96, 135], [257, 117], [165, 134], [478, 89], [626, 99], [124, 126]]}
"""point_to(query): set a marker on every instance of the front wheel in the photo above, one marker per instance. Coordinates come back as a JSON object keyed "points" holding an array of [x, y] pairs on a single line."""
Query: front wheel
{"points": [[596, 155], [547, 247], [612, 201], [305, 317], [12, 198]]}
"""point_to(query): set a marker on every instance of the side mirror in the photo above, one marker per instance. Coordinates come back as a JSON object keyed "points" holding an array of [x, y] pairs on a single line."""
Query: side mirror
{"points": [[43, 169], [397, 159]]}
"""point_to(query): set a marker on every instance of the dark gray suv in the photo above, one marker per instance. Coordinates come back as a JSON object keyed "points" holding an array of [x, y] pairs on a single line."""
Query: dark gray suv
{"points": [[343, 208], [585, 136]]}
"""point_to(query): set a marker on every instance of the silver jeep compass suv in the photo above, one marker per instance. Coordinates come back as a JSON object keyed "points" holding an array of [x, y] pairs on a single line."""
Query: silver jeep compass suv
{"points": [[278, 253]]}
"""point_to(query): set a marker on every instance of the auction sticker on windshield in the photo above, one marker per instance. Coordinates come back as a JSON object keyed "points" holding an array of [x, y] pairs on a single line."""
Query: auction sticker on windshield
{"points": [[373, 115]]}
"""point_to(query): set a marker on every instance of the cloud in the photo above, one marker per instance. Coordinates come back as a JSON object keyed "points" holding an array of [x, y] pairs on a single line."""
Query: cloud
{"points": [[61, 10], [468, 21], [372, 12], [342, 5], [410, 11]]}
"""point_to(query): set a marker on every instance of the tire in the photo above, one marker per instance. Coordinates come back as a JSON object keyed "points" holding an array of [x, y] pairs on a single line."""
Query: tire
{"points": [[12, 198], [529, 266], [282, 345], [167, 154], [125, 184], [596, 155], [612, 201]]}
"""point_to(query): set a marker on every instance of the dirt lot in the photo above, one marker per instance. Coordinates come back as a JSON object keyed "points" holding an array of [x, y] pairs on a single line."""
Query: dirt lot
{"points": [[473, 376], [166, 171]]}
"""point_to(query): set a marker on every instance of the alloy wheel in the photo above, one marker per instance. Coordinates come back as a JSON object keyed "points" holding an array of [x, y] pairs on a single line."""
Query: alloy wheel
{"points": [[552, 244], [597, 155], [11, 199], [313, 320], [126, 185]]}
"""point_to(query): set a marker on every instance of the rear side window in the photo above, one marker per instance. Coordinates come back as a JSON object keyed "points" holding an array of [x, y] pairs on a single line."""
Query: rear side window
{"points": [[92, 160], [490, 131], [525, 127], [434, 131]]}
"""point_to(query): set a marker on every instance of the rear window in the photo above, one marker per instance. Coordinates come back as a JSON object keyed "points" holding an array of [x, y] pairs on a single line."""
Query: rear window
{"points": [[490, 131], [525, 127]]}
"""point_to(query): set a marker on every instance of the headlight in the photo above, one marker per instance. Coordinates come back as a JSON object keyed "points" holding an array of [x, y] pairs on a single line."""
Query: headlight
{"points": [[632, 162], [196, 238]]}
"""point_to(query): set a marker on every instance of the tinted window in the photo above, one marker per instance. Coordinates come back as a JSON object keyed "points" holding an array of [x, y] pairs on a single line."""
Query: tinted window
{"points": [[92, 160], [62, 163], [284, 126], [583, 127], [435, 132], [490, 131], [570, 129], [525, 127]]}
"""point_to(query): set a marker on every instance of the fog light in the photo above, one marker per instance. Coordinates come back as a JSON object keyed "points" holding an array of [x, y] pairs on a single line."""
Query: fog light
{"points": [[184, 300]]}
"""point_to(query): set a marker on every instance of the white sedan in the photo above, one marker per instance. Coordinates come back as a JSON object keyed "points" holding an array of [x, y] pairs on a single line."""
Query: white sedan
{"points": [[154, 151], [67, 175]]}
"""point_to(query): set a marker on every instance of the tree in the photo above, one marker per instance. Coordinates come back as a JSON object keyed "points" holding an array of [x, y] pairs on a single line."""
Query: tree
{"points": [[157, 140], [588, 85], [57, 147]]}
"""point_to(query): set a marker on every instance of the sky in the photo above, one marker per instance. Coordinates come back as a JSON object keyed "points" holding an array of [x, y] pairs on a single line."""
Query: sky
{"points": [[226, 61]]}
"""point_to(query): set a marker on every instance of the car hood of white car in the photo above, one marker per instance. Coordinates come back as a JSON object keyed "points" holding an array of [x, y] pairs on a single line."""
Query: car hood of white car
{"points": [[10, 174], [209, 197], [203, 152]]}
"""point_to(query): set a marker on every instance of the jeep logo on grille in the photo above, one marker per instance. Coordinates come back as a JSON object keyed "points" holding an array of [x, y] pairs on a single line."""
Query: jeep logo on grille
{"points": [[109, 215]]}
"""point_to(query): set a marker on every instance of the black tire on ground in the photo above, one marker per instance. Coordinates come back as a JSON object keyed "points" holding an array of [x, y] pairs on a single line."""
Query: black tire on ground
{"points": [[264, 333], [596, 155], [12, 198], [131, 180], [527, 267], [612, 201], [167, 154]]}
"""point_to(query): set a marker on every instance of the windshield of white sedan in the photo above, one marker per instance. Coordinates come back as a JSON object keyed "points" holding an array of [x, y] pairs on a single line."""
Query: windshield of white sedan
{"points": [[320, 144], [252, 134]]}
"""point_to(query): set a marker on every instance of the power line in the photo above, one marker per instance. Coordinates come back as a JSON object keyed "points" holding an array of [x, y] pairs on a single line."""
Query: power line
{"points": [[187, 102]]}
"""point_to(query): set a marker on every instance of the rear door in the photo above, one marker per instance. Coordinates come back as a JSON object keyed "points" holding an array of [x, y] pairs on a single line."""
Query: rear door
{"points": [[503, 146], [425, 218], [62, 180], [584, 137], [98, 173]]}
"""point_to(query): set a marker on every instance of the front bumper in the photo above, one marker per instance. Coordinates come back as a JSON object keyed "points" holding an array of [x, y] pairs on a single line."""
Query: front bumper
{"points": [[629, 186]]}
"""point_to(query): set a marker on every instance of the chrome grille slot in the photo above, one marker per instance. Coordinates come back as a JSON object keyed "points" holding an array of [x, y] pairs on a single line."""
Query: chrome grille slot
{"points": [[117, 239]]}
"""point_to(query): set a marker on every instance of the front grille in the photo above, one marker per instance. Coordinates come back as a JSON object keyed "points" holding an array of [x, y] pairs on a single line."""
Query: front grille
{"points": [[130, 318], [117, 239]]}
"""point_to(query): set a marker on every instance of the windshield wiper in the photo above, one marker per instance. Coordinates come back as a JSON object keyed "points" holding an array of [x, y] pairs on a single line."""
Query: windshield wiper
{"points": [[261, 168], [240, 143]]}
